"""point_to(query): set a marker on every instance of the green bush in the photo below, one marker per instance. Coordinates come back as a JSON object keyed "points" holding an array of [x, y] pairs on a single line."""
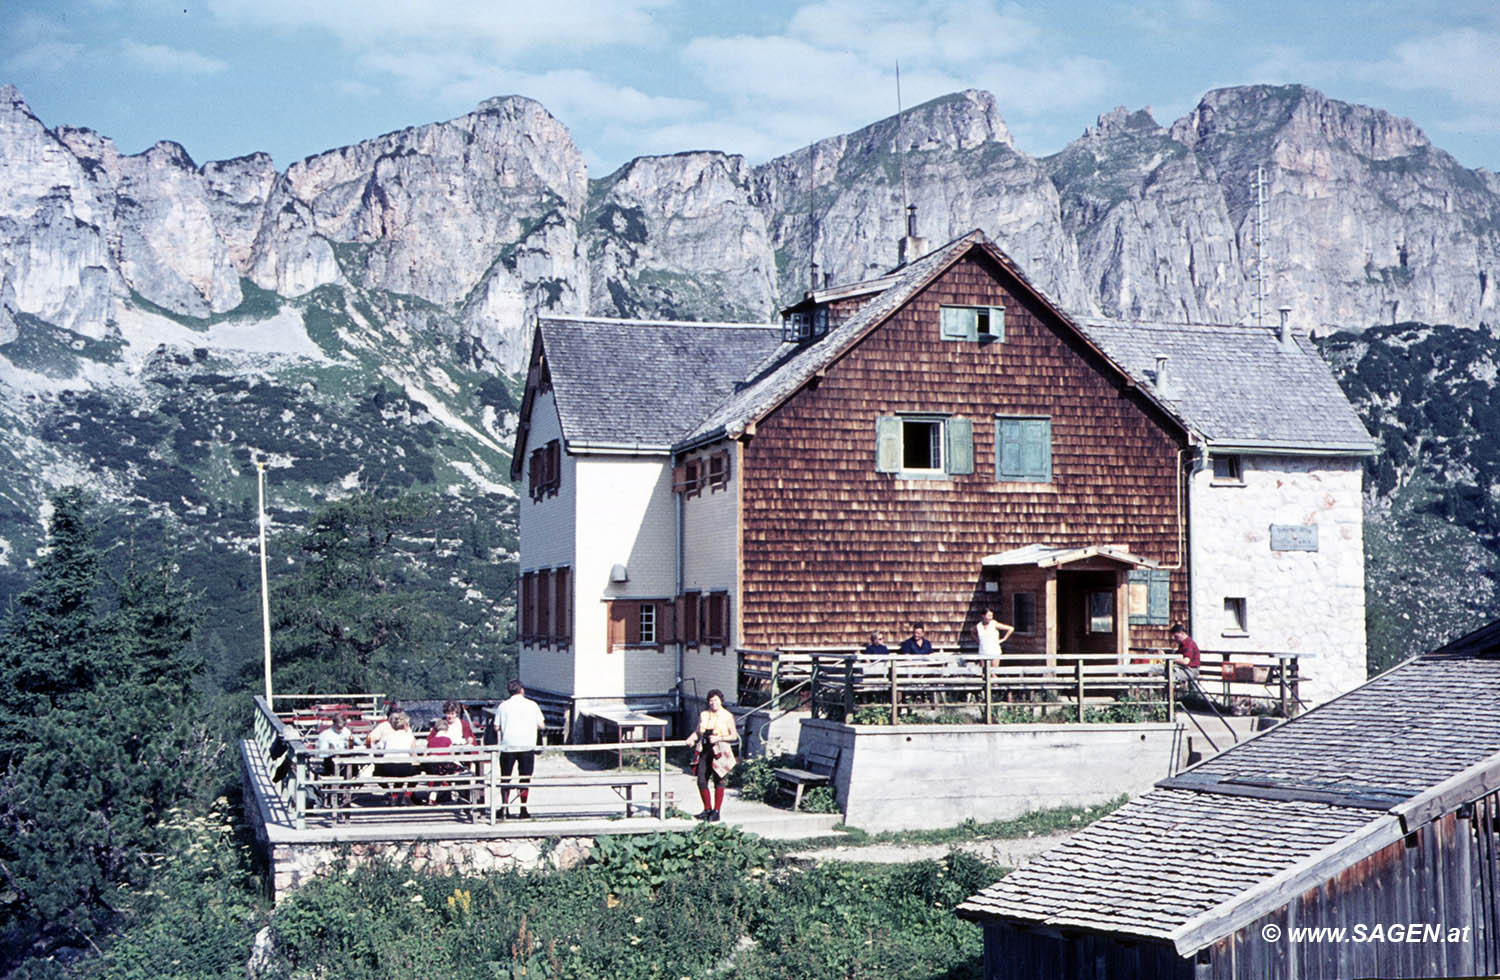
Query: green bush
{"points": [[820, 799], [643, 864], [756, 778]]}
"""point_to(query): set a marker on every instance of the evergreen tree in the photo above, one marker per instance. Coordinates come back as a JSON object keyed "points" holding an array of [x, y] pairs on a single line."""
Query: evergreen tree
{"points": [[98, 707], [359, 603]]}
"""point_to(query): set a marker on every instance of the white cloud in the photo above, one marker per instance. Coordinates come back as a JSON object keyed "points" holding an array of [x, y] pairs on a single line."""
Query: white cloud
{"points": [[47, 56], [834, 68], [169, 60], [508, 26], [1458, 63]]}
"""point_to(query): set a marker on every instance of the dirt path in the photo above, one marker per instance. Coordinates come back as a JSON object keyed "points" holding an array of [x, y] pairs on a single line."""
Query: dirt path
{"points": [[1012, 852]]}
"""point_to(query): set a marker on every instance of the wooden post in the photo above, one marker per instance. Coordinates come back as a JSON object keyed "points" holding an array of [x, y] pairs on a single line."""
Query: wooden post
{"points": [[1171, 692], [492, 791], [813, 680], [1078, 674], [775, 679], [989, 699], [895, 696], [849, 689], [661, 780], [299, 784], [1281, 684]]}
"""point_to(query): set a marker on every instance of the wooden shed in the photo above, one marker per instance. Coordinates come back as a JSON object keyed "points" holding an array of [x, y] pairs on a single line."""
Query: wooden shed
{"points": [[1361, 839]]}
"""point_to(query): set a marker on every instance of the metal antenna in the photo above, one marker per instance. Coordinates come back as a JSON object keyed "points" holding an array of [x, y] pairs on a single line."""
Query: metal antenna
{"points": [[901, 141], [1258, 239]]}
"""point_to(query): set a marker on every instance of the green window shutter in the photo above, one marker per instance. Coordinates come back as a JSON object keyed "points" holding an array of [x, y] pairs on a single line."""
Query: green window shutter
{"points": [[960, 446], [1036, 449], [1008, 449], [997, 323], [1160, 601], [1023, 450], [888, 444], [958, 323]]}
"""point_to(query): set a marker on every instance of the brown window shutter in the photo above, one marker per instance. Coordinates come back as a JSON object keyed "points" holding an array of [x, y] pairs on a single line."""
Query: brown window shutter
{"points": [[690, 618], [632, 613], [679, 478], [562, 628], [523, 606], [718, 603], [554, 466], [666, 623], [544, 607], [618, 626]]}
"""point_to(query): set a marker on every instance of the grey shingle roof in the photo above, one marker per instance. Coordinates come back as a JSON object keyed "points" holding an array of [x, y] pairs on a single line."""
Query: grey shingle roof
{"points": [[1163, 859], [1188, 860], [1403, 732], [638, 382], [1237, 385]]}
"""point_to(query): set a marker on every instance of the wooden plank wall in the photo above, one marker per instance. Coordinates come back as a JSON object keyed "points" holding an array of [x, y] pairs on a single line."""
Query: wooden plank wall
{"points": [[833, 549], [1018, 954], [1445, 875]]}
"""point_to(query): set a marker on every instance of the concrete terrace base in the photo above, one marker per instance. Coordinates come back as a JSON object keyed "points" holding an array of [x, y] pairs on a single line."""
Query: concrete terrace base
{"points": [[921, 777]]}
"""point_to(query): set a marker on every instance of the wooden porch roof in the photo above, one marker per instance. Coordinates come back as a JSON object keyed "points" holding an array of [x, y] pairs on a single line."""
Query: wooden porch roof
{"points": [[1044, 556]]}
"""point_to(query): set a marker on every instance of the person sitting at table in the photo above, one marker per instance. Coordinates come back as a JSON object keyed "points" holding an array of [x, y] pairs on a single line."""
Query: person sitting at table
{"points": [[438, 739], [714, 742], [382, 731], [397, 763], [876, 647], [456, 724], [334, 739], [917, 644]]}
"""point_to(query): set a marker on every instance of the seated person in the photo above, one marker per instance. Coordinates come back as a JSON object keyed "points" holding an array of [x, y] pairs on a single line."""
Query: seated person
{"points": [[398, 763], [437, 738], [917, 644], [876, 647], [456, 724]]}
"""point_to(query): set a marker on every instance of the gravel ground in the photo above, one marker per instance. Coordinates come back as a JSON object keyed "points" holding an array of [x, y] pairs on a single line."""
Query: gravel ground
{"points": [[1011, 852]]}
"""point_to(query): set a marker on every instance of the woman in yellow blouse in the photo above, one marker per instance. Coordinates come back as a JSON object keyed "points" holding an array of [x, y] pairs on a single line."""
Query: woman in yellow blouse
{"points": [[714, 740]]}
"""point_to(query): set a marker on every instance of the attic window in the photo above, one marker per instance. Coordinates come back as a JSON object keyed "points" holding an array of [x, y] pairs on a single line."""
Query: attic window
{"points": [[1228, 471], [546, 470], [804, 325], [978, 324]]}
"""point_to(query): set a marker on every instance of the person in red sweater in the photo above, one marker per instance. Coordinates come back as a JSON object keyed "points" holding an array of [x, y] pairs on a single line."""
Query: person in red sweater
{"points": [[1189, 657]]}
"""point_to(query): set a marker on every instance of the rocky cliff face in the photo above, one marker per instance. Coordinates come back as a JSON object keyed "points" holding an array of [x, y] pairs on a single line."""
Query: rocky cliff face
{"points": [[355, 318]]}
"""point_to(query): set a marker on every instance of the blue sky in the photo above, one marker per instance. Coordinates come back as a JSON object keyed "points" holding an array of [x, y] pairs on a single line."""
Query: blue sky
{"points": [[631, 77]]}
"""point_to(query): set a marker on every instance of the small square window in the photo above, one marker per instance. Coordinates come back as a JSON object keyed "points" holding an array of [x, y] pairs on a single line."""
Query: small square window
{"points": [[1023, 613], [981, 324], [1227, 470], [1235, 623], [648, 623]]}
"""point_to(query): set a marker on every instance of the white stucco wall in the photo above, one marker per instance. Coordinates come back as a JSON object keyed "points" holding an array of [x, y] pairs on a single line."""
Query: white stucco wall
{"points": [[547, 541], [625, 515], [710, 563], [1306, 602]]}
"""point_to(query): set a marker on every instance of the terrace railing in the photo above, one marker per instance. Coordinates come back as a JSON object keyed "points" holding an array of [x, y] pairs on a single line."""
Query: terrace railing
{"points": [[463, 782], [840, 683]]}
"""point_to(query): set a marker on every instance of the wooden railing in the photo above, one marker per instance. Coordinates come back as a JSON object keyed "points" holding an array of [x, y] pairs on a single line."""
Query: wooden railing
{"points": [[841, 683], [464, 781]]}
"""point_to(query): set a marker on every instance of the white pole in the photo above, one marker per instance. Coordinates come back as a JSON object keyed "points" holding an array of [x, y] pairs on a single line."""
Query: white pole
{"points": [[265, 594]]}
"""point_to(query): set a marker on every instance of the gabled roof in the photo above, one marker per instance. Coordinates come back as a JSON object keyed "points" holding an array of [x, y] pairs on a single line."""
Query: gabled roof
{"points": [[1240, 387], [643, 383], [1234, 838], [793, 365], [1044, 556]]}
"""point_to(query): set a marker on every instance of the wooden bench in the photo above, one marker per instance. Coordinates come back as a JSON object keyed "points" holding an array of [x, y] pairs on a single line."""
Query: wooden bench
{"points": [[623, 786], [819, 767]]}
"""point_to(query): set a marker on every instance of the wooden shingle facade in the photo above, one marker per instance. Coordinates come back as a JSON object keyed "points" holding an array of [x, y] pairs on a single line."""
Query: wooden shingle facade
{"points": [[832, 547]]}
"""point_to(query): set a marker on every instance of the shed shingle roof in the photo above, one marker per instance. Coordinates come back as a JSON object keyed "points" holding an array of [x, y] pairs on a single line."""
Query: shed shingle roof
{"points": [[645, 383], [1196, 849], [1237, 385]]}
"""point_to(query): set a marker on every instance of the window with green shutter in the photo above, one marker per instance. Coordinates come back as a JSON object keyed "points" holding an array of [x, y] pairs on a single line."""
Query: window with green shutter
{"points": [[1023, 449], [977, 324], [924, 446], [1150, 596]]}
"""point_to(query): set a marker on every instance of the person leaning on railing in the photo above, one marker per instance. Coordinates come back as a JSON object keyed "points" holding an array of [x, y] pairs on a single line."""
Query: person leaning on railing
{"points": [[714, 742]]}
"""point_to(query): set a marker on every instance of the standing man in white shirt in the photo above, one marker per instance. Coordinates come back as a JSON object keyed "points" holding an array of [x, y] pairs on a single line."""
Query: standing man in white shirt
{"points": [[521, 723]]}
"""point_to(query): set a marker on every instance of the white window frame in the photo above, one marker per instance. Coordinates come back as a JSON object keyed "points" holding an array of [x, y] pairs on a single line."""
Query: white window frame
{"points": [[1236, 616], [647, 622]]}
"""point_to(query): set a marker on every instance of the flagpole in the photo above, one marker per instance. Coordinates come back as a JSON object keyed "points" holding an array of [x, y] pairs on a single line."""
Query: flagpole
{"points": [[265, 594]]}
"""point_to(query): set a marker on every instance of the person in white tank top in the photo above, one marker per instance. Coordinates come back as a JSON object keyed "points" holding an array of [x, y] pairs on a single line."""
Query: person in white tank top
{"points": [[991, 633]]}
